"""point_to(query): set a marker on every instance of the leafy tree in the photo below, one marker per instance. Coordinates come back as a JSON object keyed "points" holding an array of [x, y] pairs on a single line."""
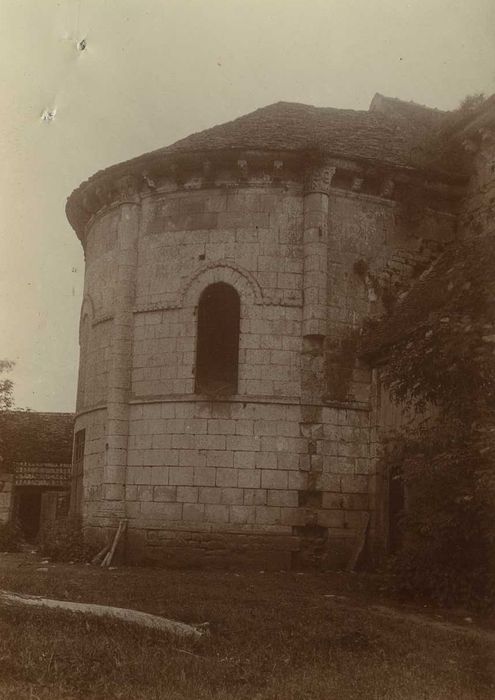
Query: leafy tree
{"points": [[6, 386], [441, 365]]}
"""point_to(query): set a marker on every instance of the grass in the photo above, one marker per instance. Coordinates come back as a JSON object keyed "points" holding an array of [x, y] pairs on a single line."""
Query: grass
{"points": [[274, 636]]}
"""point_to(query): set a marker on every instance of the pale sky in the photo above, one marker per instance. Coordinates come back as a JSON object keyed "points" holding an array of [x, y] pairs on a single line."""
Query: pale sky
{"points": [[154, 71]]}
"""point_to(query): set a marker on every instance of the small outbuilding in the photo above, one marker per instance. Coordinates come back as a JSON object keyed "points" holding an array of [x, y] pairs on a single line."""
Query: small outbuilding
{"points": [[35, 468]]}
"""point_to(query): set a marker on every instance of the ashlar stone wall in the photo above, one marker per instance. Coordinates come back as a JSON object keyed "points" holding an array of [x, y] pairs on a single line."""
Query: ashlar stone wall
{"points": [[283, 472]]}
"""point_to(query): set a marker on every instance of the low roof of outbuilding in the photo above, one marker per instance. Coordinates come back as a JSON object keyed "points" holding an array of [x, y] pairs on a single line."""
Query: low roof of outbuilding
{"points": [[35, 437]]}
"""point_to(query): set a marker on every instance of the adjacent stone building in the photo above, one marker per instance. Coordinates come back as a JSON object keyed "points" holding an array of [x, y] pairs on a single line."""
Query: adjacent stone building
{"points": [[35, 468], [222, 407]]}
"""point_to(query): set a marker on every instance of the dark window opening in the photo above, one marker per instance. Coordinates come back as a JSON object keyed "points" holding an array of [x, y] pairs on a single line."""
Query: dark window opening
{"points": [[217, 349], [29, 511], [78, 472]]}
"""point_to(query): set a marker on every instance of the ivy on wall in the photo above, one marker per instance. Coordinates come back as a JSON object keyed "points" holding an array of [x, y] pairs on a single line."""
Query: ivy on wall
{"points": [[440, 362]]}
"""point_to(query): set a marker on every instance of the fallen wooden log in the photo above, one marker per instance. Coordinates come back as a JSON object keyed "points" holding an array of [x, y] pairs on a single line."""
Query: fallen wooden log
{"points": [[123, 614]]}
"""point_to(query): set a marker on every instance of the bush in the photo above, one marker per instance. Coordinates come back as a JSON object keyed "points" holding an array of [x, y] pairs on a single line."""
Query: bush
{"points": [[447, 527], [63, 540], [440, 364], [10, 537]]}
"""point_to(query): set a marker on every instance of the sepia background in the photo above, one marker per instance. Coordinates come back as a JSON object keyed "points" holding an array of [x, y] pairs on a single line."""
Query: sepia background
{"points": [[152, 71]]}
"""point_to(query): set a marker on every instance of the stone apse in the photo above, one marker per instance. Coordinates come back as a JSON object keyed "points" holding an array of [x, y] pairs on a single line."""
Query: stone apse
{"points": [[221, 407]]}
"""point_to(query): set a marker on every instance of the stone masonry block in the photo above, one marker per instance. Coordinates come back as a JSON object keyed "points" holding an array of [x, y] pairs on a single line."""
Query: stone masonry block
{"points": [[131, 493], [243, 443], [266, 460], [113, 492], [219, 458], [219, 426], [210, 442], [208, 494], [288, 499], [354, 519], [163, 511], [159, 475], [192, 458], [274, 479], [145, 493], [187, 494], [244, 460], [249, 478], [331, 518], [193, 512], [181, 476], [267, 515], [204, 476], [165, 493], [254, 497], [232, 496], [297, 480], [354, 483], [288, 461], [244, 427], [217, 513], [135, 457], [139, 475], [242, 515], [226, 477]]}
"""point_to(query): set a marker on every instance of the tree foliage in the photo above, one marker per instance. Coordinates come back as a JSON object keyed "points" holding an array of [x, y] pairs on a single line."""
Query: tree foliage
{"points": [[6, 386], [443, 368]]}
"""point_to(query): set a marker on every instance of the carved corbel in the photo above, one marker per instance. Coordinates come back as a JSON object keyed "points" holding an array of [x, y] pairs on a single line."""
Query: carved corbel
{"points": [[278, 170], [319, 179], [242, 169], [387, 188], [127, 189], [357, 184], [208, 172], [150, 183]]}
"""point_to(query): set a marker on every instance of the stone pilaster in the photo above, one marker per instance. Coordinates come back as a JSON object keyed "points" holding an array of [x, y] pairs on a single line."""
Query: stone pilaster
{"points": [[315, 240], [315, 313], [119, 379]]}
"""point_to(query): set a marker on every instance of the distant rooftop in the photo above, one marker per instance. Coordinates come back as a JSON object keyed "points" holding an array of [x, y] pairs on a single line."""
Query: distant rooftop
{"points": [[37, 437]]}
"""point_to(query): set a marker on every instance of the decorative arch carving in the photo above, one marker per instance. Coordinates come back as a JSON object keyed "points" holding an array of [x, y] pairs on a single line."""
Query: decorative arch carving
{"points": [[221, 271], [87, 313]]}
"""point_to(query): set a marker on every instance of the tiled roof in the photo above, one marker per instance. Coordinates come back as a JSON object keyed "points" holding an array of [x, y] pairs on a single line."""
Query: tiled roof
{"points": [[379, 135], [29, 436], [418, 116], [287, 126]]}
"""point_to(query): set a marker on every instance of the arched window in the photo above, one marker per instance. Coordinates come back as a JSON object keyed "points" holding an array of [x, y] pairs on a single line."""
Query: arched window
{"points": [[217, 349]]}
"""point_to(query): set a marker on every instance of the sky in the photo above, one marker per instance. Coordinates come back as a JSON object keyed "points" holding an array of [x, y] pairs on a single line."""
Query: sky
{"points": [[154, 71]]}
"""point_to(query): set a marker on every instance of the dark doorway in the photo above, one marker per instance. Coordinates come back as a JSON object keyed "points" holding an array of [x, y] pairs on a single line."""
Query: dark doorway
{"points": [[396, 505], [217, 350], [29, 511]]}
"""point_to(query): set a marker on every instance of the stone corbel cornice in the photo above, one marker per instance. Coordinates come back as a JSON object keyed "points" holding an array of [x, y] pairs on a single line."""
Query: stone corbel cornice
{"points": [[318, 178], [130, 182]]}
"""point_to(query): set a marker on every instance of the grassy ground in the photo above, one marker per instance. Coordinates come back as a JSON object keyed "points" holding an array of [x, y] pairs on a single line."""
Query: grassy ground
{"points": [[274, 636]]}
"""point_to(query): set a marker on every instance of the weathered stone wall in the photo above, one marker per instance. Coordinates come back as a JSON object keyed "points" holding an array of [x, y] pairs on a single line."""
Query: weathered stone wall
{"points": [[373, 256], [94, 424], [249, 239], [247, 467], [285, 471]]}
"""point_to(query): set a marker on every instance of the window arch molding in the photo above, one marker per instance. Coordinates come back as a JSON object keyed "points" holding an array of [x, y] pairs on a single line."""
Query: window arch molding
{"points": [[243, 282]]}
